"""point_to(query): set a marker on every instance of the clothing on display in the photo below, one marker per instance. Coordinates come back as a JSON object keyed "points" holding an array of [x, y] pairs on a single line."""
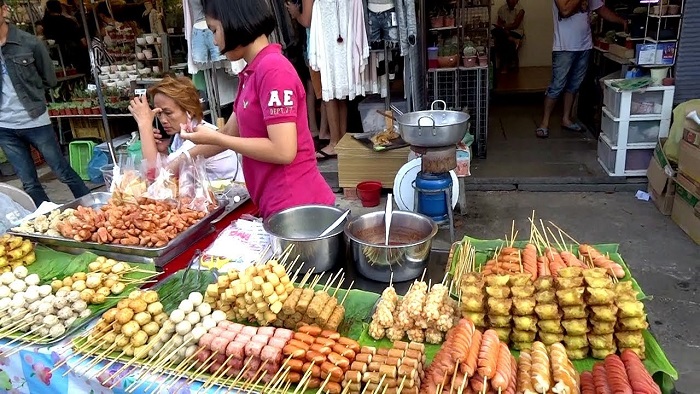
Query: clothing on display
{"points": [[383, 26], [338, 47]]}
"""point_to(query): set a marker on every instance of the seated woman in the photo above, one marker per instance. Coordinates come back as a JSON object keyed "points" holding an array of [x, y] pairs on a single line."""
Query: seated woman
{"points": [[270, 125], [176, 101]]}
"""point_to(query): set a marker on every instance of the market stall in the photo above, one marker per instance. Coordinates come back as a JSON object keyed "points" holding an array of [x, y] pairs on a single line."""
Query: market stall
{"points": [[489, 316]]}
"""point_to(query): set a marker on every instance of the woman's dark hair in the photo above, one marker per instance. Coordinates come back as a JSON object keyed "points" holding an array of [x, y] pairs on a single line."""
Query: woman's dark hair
{"points": [[102, 9], [243, 21], [54, 6]]}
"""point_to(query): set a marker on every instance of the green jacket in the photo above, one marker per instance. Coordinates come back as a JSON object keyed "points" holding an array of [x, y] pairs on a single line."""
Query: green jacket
{"points": [[30, 68]]}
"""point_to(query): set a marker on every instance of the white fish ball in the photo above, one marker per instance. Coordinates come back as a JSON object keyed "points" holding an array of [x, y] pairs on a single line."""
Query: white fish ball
{"points": [[183, 327], [190, 350], [196, 298], [85, 313], [186, 306], [50, 320], [177, 316], [44, 290], [193, 317], [208, 323], [218, 316], [204, 309], [32, 279], [7, 278], [5, 292], [57, 331], [18, 285], [176, 340], [21, 272]]}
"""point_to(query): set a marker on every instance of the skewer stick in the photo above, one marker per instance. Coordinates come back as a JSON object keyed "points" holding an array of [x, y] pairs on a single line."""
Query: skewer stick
{"points": [[252, 383], [305, 278], [240, 374], [205, 365], [149, 346], [556, 240], [109, 364], [276, 380], [463, 385], [257, 382], [346, 293], [512, 233], [86, 353], [484, 388], [19, 327], [65, 360], [325, 382], [216, 375], [379, 385], [96, 360], [305, 379], [166, 364], [423, 276], [332, 279], [564, 232], [454, 376], [296, 273], [19, 338], [277, 375]]}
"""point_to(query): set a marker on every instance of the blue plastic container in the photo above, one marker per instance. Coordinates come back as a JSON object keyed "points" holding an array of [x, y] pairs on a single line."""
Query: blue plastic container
{"points": [[432, 199]]}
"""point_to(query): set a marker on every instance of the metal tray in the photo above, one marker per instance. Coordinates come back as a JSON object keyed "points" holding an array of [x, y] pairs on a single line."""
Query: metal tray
{"points": [[95, 200]]}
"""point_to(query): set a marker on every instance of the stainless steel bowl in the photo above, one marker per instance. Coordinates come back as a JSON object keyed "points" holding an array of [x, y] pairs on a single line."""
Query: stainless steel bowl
{"points": [[408, 252], [300, 226]]}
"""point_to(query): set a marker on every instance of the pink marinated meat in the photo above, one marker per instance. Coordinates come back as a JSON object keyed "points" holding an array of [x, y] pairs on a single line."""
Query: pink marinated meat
{"points": [[206, 339], [235, 327], [260, 338], [250, 331], [272, 354], [277, 342], [253, 349], [284, 333], [236, 349], [269, 331]]}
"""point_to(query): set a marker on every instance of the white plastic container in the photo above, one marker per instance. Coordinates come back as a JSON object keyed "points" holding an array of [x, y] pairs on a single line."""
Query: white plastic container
{"points": [[654, 102], [638, 131], [623, 162]]}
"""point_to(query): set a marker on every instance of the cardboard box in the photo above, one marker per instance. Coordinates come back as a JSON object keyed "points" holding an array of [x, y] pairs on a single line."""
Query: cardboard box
{"points": [[357, 163], [689, 160], [686, 207], [692, 137], [620, 51], [661, 187]]}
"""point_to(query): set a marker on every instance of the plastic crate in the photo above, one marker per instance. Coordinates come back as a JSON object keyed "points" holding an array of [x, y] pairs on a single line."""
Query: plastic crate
{"points": [[638, 131], [636, 160], [80, 154], [653, 101]]}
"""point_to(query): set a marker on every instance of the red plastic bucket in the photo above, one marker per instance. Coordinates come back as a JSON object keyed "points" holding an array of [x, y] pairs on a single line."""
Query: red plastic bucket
{"points": [[369, 193]]}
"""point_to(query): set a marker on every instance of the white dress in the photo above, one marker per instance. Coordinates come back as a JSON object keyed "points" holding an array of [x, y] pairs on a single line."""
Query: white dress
{"points": [[341, 64]]}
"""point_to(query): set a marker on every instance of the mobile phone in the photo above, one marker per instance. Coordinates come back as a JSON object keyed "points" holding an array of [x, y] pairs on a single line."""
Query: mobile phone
{"points": [[160, 128]]}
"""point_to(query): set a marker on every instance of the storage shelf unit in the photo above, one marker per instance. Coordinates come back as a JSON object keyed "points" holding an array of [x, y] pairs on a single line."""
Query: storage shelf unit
{"points": [[631, 125]]}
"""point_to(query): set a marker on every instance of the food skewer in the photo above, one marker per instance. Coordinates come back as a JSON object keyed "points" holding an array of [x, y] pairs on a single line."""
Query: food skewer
{"points": [[79, 349], [94, 348], [97, 358], [240, 374], [164, 365], [304, 382], [217, 374]]}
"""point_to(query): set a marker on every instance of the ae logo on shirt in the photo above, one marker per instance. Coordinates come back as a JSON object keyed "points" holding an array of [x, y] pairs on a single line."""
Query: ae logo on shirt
{"points": [[280, 105]]}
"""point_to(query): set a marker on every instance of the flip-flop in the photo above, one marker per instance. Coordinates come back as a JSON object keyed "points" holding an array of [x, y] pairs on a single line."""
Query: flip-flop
{"points": [[542, 132], [324, 156], [575, 127]]}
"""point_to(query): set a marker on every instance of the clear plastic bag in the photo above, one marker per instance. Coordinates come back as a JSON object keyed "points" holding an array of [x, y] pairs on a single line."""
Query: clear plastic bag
{"points": [[10, 212], [165, 184], [128, 184], [193, 182]]}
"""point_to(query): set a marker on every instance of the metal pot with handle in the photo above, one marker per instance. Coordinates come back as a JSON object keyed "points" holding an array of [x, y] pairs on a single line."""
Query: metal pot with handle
{"points": [[434, 127]]}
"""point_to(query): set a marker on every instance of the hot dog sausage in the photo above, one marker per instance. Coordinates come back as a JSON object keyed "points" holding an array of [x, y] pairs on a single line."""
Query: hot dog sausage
{"points": [[587, 385], [488, 354], [310, 330], [501, 379], [617, 376]]}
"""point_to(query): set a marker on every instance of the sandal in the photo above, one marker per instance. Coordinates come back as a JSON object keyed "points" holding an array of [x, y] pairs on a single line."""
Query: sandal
{"points": [[542, 132], [324, 156], [575, 127]]}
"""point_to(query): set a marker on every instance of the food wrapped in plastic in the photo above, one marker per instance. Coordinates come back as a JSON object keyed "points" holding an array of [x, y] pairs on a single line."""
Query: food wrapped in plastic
{"points": [[551, 326], [570, 297], [600, 354], [639, 351], [524, 306], [522, 336], [473, 303], [501, 321], [498, 291], [575, 341], [549, 338], [599, 283], [575, 326], [577, 354], [497, 280], [472, 289], [524, 279], [473, 278], [503, 333], [522, 291], [500, 306], [597, 296], [604, 313], [630, 309], [595, 273], [525, 323], [575, 312], [570, 272], [544, 283], [630, 338], [478, 318], [522, 345], [602, 327], [548, 311], [632, 323], [603, 341], [545, 296], [562, 283]]}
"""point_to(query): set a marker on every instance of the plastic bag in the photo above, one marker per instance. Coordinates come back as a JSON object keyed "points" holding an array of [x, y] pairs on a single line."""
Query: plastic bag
{"points": [[165, 184], [194, 186], [10, 213], [128, 184], [99, 159]]}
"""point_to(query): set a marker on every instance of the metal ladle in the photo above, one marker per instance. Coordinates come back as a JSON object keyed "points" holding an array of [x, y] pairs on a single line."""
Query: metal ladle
{"points": [[387, 218], [335, 224]]}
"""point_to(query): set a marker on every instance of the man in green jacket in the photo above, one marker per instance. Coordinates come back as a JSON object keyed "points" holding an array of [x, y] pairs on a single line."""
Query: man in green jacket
{"points": [[26, 71]]}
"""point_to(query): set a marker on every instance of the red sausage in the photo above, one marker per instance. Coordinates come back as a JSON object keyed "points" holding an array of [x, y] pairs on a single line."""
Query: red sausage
{"points": [[617, 376], [310, 330], [306, 338], [600, 380], [587, 385], [639, 377]]}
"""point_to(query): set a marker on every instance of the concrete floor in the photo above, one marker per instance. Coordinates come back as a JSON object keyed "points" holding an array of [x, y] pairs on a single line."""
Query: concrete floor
{"points": [[662, 258]]}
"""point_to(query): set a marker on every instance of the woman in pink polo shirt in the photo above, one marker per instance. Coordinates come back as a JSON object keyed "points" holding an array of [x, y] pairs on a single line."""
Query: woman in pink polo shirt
{"points": [[269, 126]]}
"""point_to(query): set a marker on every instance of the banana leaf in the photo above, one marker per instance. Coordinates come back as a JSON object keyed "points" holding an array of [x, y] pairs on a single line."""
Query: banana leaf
{"points": [[51, 264]]}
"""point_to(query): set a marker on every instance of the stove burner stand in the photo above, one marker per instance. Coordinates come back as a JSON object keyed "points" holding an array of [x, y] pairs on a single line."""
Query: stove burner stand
{"points": [[433, 185]]}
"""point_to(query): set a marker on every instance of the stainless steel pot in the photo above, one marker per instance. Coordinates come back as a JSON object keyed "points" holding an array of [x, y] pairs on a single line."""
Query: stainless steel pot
{"points": [[433, 128], [408, 252], [300, 227]]}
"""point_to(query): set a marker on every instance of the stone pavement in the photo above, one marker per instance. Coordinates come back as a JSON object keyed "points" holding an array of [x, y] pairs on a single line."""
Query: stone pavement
{"points": [[662, 258]]}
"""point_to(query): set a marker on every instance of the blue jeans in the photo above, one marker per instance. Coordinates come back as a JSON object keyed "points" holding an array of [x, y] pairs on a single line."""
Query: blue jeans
{"points": [[203, 48], [568, 71], [381, 27], [16, 145]]}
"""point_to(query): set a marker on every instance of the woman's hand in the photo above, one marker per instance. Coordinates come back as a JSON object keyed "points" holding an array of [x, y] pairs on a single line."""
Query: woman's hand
{"points": [[142, 112], [162, 144], [202, 135]]}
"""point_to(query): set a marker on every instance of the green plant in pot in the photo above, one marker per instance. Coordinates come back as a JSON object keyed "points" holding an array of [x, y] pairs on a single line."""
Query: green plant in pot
{"points": [[448, 55]]}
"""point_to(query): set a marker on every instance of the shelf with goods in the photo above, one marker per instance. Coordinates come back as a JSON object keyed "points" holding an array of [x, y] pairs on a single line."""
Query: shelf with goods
{"points": [[659, 46], [458, 37], [153, 51]]}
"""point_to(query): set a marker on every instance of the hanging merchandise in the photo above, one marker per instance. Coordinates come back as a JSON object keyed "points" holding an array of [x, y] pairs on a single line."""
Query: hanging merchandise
{"points": [[339, 50]]}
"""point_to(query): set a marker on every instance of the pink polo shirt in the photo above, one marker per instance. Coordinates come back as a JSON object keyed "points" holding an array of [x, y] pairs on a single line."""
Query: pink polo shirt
{"points": [[270, 92]]}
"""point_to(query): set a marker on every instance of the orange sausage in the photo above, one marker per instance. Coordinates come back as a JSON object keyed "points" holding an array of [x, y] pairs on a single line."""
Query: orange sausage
{"points": [[296, 365], [325, 350], [345, 352], [306, 338], [501, 379], [339, 360], [472, 359], [331, 369], [315, 356], [325, 341], [294, 377], [488, 354], [315, 369], [330, 334], [332, 388], [291, 350], [310, 330], [298, 344], [350, 343]]}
